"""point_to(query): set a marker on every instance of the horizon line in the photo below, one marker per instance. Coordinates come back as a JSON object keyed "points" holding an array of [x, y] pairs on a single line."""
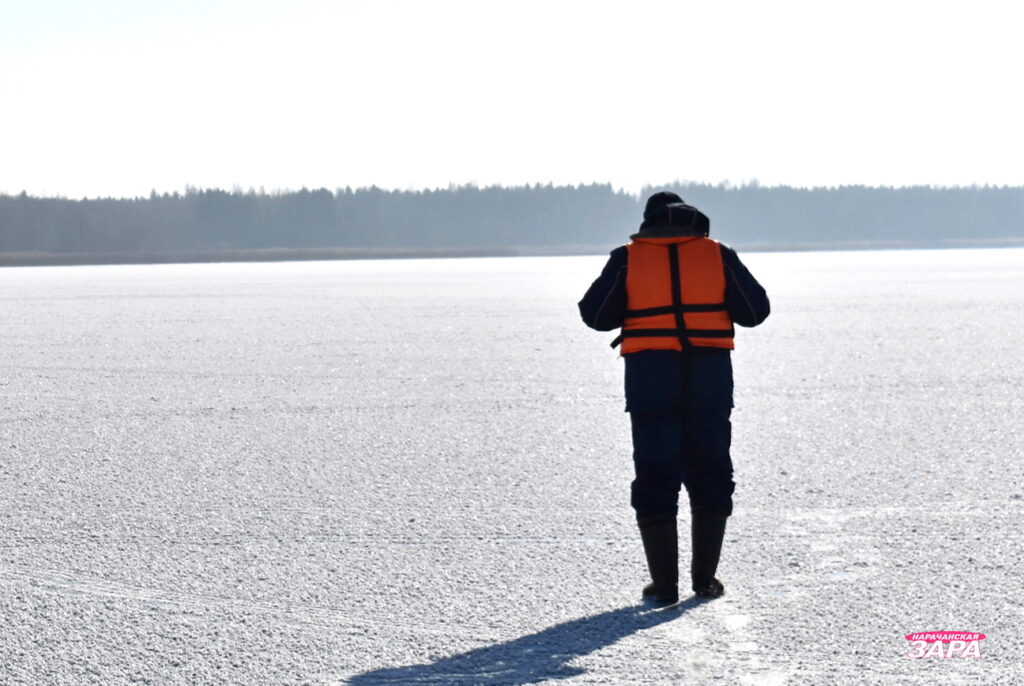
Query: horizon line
{"points": [[237, 189]]}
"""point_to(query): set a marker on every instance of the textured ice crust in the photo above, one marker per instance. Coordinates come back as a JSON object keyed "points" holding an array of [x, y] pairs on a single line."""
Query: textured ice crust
{"points": [[417, 471]]}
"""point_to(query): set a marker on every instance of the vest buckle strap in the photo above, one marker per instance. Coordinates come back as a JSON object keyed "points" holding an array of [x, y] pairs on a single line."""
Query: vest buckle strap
{"points": [[673, 309], [676, 333]]}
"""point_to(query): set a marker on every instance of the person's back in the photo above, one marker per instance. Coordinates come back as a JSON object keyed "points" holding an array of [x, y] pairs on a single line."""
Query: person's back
{"points": [[676, 294]]}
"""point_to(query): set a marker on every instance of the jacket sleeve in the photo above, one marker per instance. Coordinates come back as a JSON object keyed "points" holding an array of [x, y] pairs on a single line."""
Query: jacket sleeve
{"points": [[745, 298], [603, 307]]}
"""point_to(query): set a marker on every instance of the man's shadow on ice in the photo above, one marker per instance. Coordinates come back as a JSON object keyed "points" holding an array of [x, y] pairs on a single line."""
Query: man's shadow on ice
{"points": [[533, 658]]}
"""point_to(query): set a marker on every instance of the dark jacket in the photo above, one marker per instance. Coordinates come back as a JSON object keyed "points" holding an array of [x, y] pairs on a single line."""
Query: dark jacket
{"points": [[603, 307], [659, 381]]}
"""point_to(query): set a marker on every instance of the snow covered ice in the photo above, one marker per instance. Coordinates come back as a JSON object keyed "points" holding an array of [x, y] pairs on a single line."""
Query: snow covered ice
{"points": [[417, 471]]}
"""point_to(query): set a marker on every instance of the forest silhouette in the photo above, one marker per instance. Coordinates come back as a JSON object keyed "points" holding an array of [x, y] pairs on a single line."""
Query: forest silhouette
{"points": [[217, 224]]}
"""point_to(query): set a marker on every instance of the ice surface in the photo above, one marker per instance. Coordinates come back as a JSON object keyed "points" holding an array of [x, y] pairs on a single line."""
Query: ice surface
{"points": [[417, 471]]}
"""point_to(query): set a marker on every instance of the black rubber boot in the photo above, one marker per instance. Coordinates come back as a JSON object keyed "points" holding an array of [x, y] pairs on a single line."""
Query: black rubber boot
{"points": [[708, 530], [661, 547]]}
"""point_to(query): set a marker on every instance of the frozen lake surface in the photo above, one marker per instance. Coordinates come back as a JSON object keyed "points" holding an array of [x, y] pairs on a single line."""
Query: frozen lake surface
{"points": [[418, 471]]}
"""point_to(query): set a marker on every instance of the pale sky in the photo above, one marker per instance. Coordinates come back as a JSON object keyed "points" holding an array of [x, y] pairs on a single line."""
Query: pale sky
{"points": [[117, 97]]}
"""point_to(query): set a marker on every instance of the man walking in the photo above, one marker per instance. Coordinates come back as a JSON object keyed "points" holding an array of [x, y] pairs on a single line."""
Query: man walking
{"points": [[676, 294]]}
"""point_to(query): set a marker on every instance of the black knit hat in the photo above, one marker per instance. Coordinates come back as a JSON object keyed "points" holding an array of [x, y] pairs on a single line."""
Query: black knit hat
{"points": [[659, 199], [673, 220]]}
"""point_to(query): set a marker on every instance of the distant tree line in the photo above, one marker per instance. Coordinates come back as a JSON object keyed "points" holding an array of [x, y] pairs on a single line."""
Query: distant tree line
{"points": [[540, 216]]}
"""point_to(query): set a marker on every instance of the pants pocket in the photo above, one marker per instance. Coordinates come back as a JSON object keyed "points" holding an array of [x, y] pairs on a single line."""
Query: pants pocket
{"points": [[655, 382]]}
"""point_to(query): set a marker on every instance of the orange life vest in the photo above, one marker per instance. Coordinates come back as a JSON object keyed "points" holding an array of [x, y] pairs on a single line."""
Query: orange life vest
{"points": [[675, 296]]}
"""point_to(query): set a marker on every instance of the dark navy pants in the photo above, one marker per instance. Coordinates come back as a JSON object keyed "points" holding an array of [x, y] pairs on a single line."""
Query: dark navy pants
{"points": [[679, 405]]}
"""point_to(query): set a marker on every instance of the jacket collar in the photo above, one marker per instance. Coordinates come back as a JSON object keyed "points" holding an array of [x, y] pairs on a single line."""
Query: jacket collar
{"points": [[664, 240]]}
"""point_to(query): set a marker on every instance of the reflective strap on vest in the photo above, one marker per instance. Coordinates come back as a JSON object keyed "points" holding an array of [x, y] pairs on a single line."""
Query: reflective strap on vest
{"points": [[677, 300], [671, 309], [673, 333]]}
